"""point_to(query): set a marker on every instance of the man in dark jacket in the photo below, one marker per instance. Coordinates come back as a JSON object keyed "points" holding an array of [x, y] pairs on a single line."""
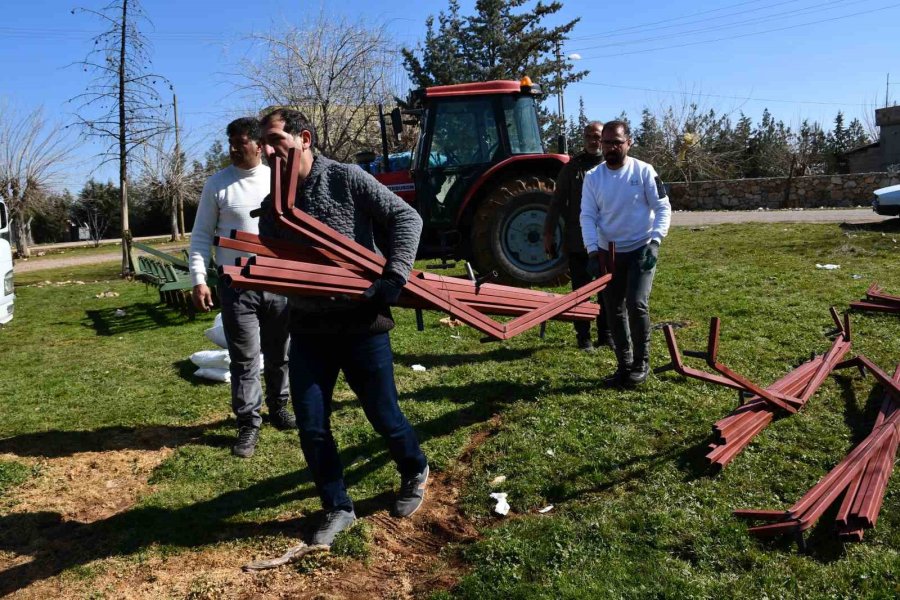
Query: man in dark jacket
{"points": [[567, 203], [330, 335]]}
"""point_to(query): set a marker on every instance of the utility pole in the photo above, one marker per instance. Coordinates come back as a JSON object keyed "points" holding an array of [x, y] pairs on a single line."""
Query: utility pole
{"points": [[561, 109], [178, 199], [887, 88]]}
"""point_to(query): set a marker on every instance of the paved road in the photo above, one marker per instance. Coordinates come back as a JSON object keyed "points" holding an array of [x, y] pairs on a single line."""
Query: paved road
{"points": [[824, 215], [679, 218]]}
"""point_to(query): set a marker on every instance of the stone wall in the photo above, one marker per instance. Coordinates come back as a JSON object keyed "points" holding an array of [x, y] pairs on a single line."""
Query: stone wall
{"points": [[805, 192]]}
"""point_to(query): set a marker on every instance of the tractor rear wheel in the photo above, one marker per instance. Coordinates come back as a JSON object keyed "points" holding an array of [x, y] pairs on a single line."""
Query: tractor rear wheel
{"points": [[507, 233]]}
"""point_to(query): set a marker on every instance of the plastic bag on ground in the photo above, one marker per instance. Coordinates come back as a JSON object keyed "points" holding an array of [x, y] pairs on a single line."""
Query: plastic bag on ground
{"points": [[220, 375], [215, 359], [216, 333]]}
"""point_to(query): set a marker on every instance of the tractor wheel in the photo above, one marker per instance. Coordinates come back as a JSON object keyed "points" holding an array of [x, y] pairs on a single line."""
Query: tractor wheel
{"points": [[507, 234]]}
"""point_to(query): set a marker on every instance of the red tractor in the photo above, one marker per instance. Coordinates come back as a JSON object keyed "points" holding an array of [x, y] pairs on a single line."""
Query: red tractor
{"points": [[480, 179]]}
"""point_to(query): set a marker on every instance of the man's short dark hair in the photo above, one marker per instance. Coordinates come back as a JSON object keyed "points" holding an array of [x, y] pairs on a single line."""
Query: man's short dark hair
{"points": [[294, 122], [244, 126], [613, 125]]}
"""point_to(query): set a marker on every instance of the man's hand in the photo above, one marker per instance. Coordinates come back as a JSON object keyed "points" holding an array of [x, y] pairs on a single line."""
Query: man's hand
{"points": [[549, 244], [650, 256], [595, 264], [385, 291], [202, 297]]}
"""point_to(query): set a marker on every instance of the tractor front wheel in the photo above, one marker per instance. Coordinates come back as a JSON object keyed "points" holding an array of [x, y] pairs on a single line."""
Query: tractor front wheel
{"points": [[507, 234]]}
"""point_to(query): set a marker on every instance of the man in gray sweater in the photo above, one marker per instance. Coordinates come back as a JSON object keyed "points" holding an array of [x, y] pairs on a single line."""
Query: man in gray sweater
{"points": [[330, 335]]}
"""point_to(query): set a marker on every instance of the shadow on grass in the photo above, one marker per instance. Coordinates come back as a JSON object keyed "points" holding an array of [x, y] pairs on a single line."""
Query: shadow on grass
{"points": [[55, 444], [56, 545], [138, 317], [499, 354], [887, 225]]}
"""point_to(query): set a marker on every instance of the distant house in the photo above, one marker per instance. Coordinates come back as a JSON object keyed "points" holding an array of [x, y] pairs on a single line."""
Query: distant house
{"points": [[880, 155]]}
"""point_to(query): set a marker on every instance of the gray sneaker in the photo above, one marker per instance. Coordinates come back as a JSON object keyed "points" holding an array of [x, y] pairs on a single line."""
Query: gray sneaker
{"points": [[412, 494], [335, 521], [248, 436]]}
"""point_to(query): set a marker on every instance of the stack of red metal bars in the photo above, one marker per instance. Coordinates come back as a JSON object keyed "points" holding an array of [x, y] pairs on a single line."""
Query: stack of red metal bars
{"points": [[331, 263], [758, 405], [877, 300], [861, 478]]}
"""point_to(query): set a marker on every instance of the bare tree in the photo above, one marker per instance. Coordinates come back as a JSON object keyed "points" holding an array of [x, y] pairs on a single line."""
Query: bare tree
{"points": [[121, 104], [164, 176], [334, 70], [33, 155]]}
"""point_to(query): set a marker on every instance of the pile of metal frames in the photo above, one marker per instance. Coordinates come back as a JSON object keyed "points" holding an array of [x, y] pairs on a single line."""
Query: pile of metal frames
{"points": [[330, 263], [757, 405], [877, 300], [860, 479]]}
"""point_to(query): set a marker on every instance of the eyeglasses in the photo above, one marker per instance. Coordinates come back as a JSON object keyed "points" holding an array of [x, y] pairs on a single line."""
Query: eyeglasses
{"points": [[612, 142]]}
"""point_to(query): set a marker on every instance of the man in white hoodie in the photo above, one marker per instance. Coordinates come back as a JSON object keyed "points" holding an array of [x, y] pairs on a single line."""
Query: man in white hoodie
{"points": [[624, 201], [251, 318]]}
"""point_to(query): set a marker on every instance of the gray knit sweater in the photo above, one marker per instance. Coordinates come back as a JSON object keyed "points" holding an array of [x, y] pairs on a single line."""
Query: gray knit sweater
{"points": [[355, 204]]}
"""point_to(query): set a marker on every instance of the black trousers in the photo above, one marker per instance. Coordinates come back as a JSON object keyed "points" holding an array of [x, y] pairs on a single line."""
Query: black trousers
{"points": [[578, 272]]}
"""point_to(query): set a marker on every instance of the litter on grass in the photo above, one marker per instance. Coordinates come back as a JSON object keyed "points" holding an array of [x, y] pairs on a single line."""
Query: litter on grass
{"points": [[120, 313], [498, 480], [502, 507], [419, 368], [546, 509], [828, 266]]}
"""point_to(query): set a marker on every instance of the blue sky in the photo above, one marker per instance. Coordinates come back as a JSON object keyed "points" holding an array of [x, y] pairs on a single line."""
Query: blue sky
{"points": [[799, 58]]}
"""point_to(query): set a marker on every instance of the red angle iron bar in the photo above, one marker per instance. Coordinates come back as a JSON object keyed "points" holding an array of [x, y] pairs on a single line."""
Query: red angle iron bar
{"points": [[336, 249], [860, 478], [877, 300], [735, 431], [322, 280]]}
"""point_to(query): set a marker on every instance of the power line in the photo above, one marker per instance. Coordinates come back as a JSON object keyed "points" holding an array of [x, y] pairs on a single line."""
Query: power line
{"points": [[669, 20], [723, 96], [733, 37], [816, 8], [644, 28]]}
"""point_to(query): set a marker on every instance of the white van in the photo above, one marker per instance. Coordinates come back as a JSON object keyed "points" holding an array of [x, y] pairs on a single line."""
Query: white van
{"points": [[7, 295]]}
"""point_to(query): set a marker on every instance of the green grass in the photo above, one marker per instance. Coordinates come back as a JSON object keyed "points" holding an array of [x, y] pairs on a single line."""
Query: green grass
{"points": [[636, 515], [40, 254]]}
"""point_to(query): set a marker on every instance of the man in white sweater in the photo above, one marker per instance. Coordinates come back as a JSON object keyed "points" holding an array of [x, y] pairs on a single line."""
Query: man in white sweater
{"points": [[251, 318], [623, 201]]}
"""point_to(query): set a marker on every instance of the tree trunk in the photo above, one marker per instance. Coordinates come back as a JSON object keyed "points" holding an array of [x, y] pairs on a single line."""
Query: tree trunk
{"points": [[21, 230], [173, 219], [123, 164]]}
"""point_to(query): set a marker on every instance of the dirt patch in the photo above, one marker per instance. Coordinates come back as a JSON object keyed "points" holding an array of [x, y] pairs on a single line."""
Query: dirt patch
{"points": [[88, 486], [409, 557]]}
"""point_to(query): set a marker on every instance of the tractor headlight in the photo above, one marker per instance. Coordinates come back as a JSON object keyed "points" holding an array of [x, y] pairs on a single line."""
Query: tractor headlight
{"points": [[8, 287]]}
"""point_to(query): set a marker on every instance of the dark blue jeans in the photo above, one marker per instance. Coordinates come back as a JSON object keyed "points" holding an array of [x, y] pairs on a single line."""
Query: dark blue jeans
{"points": [[367, 363]]}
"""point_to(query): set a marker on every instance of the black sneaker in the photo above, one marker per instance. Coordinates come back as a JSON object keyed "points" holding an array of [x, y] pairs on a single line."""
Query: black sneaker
{"points": [[605, 341], [412, 494], [248, 436], [282, 419], [335, 521], [585, 345], [638, 374], [619, 378]]}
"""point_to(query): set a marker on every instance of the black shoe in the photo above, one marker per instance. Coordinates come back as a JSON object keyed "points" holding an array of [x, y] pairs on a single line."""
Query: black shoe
{"points": [[282, 419], [248, 436], [585, 345], [638, 374], [619, 378], [605, 341]]}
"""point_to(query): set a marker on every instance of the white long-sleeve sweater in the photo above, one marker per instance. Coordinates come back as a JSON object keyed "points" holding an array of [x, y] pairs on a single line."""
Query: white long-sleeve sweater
{"points": [[225, 204], [627, 206]]}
